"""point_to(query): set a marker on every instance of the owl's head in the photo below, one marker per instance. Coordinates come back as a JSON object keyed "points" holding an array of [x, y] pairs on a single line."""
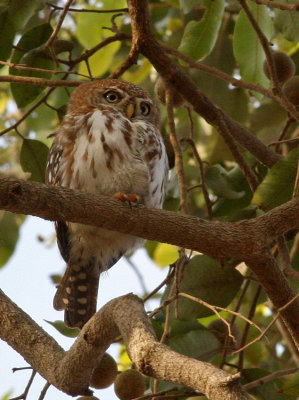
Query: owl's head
{"points": [[132, 101]]}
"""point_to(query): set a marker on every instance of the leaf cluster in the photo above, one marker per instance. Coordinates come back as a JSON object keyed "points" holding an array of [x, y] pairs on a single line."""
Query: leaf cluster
{"points": [[223, 53]]}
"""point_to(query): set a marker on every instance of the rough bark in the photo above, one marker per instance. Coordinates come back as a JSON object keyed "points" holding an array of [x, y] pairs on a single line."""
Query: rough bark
{"points": [[247, 240], [70, 371]]}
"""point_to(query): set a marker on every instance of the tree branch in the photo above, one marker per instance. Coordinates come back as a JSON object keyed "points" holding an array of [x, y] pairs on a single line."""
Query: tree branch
{"points": [[144, 40], [246, 240], [219, 240], [71, 371], [39, 81]]}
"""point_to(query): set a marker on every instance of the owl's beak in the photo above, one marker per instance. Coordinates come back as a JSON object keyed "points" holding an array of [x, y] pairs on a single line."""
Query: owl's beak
{"points": [[130, 110]]}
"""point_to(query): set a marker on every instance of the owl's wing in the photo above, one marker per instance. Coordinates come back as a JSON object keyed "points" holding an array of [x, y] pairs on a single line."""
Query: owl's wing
{"points": [[154, 156], [53, 178]]}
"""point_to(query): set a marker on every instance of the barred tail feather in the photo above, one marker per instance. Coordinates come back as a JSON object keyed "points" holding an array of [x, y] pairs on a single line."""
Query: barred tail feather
{"points": [[77, 295]]}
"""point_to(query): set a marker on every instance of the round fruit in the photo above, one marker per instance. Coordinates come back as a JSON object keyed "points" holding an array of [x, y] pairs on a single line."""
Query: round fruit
{"points": [[160, 89], [220, 330], [105, 373], [129, 384], [291, 90], [285, 67]]}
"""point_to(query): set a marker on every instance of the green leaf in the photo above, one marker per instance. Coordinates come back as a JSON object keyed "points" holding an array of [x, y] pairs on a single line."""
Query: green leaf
{"points": [[33, 57], [205, 279], [187, 5], [287, 22], [200, 37], [171, 203], [150, 247], [37, 58], [216, 178], [100, 62], [90, 32], [268, 390], [247, 48], [31, 39], [33, 159], [138, 74], [9, 234], [64, 330], [20, 12], [7, 395], [7, 34], [277, 187], [197, 342], [226, 207], [165, 254]]}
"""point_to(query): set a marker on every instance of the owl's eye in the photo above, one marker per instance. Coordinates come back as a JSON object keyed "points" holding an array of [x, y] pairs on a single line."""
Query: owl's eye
{"points": [[145, 108], [112, 96]]}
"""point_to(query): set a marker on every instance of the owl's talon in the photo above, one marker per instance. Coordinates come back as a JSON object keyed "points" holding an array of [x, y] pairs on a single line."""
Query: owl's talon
{"points": [[132, 199], [120, 196]]}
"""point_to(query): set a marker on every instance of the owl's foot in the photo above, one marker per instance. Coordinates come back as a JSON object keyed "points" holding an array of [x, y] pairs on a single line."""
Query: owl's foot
{"points": [[132, 199]]}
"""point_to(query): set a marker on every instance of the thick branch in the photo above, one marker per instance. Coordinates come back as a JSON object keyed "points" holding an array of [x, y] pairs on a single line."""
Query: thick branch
{"points": [[70, 371], [246, 240], [144, 40], [219, 240]]}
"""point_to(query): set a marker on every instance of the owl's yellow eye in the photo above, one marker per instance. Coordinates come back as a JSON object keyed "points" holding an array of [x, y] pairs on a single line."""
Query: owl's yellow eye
{"points": [[112, 96], [145, 108]]}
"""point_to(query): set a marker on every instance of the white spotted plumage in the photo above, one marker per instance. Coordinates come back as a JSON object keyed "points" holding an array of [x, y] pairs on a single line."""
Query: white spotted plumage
{"points": [[98, 149]]}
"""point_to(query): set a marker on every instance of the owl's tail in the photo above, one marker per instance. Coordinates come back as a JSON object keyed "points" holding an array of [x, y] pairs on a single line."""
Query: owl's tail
{"points": [[77, 295]]}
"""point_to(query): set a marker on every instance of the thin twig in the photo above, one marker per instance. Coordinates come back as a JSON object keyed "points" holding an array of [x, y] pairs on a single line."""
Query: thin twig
{"points": [[23, 396], [288, 340], [138, 274], [265, 44], [236, 310], [105, 42], [221, 75], [269, 378], [296, 185], [164, 282], [154, 395], [202, 176], [286, 259], [59, 23], [293, 140], [129, 61], [247, 326], [88, 10], [270, 60], [44, 391], [178, 154], [232, 145], [281, 6], [162, 306], [33, 69], [36, 105], [216, 308], [235, 82], [38, 81], [295, 246], [241, 349], [283, 133]]}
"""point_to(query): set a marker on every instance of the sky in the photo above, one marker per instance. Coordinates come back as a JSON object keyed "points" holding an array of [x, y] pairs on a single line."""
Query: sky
{"points": [[26, 280]]}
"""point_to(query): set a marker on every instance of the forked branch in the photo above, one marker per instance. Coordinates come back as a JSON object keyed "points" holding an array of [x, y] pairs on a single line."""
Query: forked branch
{"points": [[70, 371]]}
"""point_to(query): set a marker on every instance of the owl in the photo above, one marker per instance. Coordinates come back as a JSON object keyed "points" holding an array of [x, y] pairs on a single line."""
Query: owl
{"points": [[108, 143]]}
